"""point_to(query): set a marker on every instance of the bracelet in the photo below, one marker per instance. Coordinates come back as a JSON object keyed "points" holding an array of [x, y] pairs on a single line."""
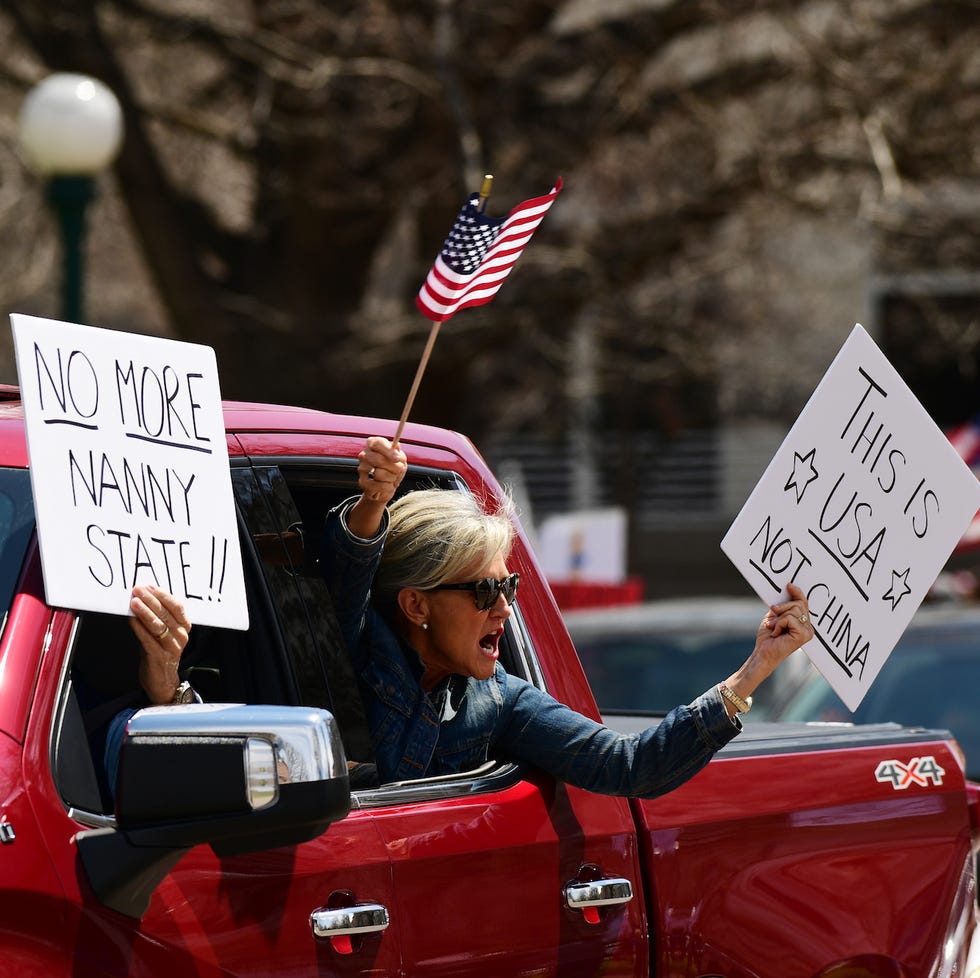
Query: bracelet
{"points": [[742, 706]]}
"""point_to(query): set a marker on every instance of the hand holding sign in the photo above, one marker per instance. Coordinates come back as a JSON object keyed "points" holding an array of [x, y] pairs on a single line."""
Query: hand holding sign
{"points": [[861, 506], [785, 629], [161, 626]]}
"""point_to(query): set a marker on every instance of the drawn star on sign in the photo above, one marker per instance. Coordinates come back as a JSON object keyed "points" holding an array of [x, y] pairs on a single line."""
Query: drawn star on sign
{"points": [[895, 595], [803, 473]]}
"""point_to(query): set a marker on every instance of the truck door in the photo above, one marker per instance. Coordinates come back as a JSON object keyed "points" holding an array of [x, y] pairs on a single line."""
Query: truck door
{"points": [[481, 868], [482, 863], [244, 915]]}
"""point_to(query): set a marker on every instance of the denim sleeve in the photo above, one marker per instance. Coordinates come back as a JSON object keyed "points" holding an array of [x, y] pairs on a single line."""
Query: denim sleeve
{"points": [[348, 565], [113, 745], [574, 749], [115, 733]]}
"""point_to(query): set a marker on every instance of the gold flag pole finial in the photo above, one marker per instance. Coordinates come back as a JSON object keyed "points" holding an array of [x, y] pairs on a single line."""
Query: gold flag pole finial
{"points": [[485, 190]]}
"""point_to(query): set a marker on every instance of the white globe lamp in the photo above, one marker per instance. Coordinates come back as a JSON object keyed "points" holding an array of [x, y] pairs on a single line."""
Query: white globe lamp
{"points": [[70, 129]]}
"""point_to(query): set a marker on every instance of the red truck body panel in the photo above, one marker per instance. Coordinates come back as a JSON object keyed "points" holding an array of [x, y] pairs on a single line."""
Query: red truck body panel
{"points": [[819, 859]]}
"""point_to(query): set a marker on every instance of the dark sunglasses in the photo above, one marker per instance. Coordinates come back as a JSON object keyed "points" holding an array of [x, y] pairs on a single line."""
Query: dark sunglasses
{"points": [[487, 590]]}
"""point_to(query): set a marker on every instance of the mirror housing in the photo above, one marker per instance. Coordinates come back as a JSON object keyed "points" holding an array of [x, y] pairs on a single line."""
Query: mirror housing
{"points": [[239, 778]]}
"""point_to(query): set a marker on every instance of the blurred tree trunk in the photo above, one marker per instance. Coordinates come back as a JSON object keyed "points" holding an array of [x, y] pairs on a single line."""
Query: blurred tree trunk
{"points": [[291, 170]]}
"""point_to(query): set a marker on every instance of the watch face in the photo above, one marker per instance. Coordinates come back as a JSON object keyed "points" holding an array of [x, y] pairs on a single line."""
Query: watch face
{"points": [[185, 693]]}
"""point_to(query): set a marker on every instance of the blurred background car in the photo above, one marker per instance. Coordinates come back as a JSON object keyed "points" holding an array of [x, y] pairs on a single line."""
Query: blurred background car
{"points": [[645, 659], [931, 679]]}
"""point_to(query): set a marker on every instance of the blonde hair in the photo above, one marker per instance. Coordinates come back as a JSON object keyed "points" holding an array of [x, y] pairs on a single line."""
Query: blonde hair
{"points": [[439, 536]]}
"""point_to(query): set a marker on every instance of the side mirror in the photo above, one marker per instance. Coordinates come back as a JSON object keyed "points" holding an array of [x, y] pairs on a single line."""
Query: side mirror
{"points": [[240, 778]]}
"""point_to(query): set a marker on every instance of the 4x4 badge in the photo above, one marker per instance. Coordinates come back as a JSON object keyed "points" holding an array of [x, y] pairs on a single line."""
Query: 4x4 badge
{"points": [[919, 771], [7, 833]]}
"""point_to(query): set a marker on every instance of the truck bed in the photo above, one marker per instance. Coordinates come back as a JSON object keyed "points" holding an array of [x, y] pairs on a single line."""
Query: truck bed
{"points": [[763, 737]]}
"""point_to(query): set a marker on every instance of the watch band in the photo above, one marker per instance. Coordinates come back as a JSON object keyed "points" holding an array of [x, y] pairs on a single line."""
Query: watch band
{"points": [[742, 706]]}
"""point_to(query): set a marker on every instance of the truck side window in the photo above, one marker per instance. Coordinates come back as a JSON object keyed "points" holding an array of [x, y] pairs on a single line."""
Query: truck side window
{"points": [[16, 528], [313, 643], [224, 666]]}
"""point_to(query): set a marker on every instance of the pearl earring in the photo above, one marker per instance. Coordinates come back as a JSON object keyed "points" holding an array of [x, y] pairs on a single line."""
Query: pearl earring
{"points": [[425, 626]]}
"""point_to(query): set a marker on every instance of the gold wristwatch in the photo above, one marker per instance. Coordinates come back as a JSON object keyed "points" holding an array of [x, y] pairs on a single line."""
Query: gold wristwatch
{"points": [[742, 706]]}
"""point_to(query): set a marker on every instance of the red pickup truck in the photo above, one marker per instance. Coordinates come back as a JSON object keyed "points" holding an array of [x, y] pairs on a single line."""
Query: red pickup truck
{"points": [[831, 851]]}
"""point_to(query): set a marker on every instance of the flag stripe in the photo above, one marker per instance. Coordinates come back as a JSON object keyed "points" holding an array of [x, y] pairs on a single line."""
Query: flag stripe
{"points": [[447, 297], [965, 438], [966, 441], [438, 281], [476, 294], [453, 280], [445, 291]]}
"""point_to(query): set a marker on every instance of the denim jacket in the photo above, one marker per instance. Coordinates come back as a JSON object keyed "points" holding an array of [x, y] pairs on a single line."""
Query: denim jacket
{"points": [[465, 721]]}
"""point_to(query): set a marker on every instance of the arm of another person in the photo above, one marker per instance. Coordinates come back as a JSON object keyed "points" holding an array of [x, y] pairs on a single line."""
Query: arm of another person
{"points": [[161, 626]]}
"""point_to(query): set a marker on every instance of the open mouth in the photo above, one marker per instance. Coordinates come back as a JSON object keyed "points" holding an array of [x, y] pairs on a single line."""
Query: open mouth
{"points": [[490, 643]]}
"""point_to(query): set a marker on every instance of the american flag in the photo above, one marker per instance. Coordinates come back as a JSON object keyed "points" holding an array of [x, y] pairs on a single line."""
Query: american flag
{"points": [[965, 438], [478, 255]]}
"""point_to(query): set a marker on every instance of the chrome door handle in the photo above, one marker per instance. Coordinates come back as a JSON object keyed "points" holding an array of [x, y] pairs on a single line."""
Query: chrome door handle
{"points": [[365, 918], [588, 897]]}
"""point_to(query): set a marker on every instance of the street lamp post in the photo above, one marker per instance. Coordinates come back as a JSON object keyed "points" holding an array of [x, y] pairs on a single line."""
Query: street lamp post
{"points": [[70, 129]]}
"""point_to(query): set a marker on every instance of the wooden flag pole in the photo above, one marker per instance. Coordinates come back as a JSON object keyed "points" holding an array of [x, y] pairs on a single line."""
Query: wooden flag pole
{"points": [[426, 353], [433, 333]]}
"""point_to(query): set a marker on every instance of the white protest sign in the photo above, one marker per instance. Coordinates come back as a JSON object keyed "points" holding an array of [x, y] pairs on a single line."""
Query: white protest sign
{"points": [[129, 470], [861, 507], [588, 545]]}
